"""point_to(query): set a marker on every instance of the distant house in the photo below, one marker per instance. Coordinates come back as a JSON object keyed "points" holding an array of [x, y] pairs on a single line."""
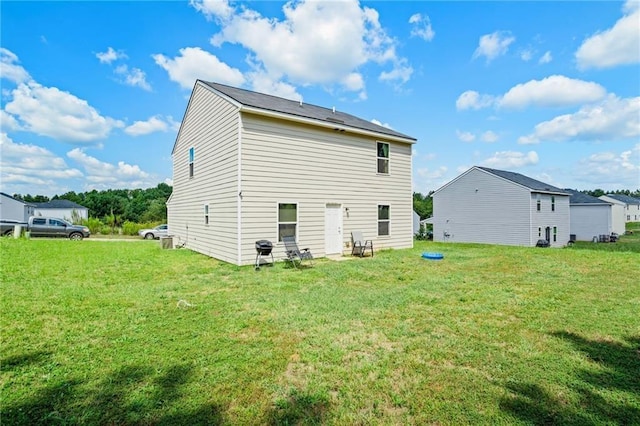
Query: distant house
{"points": [[491, 206], [631, 206], [416, 223], [63, 209], [618, 214], [12, 209], [590, 216], [249, 166]]}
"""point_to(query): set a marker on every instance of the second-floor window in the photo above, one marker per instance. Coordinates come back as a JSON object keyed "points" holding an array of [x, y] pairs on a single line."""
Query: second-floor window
{"points": [[191, 159], [553, 203], [206, 214], [383, 158], [538, 202]]}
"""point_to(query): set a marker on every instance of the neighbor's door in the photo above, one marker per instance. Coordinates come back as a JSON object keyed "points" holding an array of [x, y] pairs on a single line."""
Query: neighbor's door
{"points": [[333, 229]]}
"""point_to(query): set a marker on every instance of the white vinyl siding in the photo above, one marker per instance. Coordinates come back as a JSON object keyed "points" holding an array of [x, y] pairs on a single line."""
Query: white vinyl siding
{"points": [[590, 220], [210, 127], [316, 166]]}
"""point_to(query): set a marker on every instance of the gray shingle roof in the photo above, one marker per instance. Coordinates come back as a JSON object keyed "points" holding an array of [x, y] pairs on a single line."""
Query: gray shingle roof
{"points": [[624, 198], [578, 197], [59, 204], [534, 185], [295, 108]]}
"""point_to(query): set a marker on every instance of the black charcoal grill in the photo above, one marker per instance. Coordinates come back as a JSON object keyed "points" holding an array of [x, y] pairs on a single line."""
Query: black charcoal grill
{"points": [[263, 248]]}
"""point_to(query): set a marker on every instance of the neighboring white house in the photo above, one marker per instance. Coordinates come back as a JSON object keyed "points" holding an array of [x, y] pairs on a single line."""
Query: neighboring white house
{"points": [[618, 214], [631, 206], [485, 205], [12, 209], [63, 209], [590, 216], [249, 166]]}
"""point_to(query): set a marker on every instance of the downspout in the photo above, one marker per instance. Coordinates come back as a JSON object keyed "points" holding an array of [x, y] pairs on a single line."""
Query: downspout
{"points": [[239, 177]]}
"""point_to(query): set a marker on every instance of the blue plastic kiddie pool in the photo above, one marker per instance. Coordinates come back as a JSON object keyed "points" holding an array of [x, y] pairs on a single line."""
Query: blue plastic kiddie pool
{"points": [[433, 256]]}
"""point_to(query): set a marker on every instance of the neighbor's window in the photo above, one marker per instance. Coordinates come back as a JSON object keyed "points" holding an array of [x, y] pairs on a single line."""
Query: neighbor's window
{"points": [[287, 220], [553, 203], [383, 220], [383, 158], [206, 214], [191, 157], [538, 202], [539, 232], [555, 233]]}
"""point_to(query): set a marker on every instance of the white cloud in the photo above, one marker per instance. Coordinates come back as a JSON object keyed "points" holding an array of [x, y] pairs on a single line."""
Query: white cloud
{"points": [[213, 8], [473, 100], [110, 55], [133, 77], [315, 43], [194, 63], [263, 83], [9, 68], [153, 124], [49, 111], [102, 175], [610, 120], [421, 27], [489, 136], [8, 121], [511, 159], [619, 45], [465, 136], [546, 58], [379, 123], [612, 169], [30, 168], [526, 55], [553, 91], [493, 45]]}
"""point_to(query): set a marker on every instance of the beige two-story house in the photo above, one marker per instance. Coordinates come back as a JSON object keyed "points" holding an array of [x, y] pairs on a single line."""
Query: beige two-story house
{"points": [[249, 166]]}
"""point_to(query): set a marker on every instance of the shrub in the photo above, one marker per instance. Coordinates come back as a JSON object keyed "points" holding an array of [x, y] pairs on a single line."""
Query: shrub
{"points": [[94, 224], [130, 228]]}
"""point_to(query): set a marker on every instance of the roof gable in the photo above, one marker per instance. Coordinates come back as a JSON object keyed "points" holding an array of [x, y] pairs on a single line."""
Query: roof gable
{"points": [[533, 184], [578, 197], [15, 199], [292, 108], [624, 198], [59, 204]]}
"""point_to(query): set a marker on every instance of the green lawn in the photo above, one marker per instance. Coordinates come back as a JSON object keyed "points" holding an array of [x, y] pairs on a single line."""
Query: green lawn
{"points": [[94, 332]]}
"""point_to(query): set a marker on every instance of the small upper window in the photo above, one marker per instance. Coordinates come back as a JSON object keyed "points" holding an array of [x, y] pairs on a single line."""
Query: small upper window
{"points": [[206, 214], [191, 158], [287, 220], [538, 202], [383, 220], [383, 158], [553, 203]]}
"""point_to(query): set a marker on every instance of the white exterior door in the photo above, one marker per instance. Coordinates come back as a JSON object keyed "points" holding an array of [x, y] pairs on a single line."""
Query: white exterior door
{"points": [[333, 229]]}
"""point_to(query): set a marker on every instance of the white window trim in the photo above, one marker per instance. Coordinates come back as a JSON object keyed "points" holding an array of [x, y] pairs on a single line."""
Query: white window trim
{"points": [[191, 162], [382, 158], [378, 220], [297, 222]]}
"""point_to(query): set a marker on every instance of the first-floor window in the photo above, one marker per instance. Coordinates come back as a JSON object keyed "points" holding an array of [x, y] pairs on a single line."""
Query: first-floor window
{"points": [[206, 214], [539, 232], [287, 220], [383, 220], [555, 233]]}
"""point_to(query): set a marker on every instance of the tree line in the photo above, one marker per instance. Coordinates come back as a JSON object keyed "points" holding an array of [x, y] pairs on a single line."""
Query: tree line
{"points": [[116, 206]]}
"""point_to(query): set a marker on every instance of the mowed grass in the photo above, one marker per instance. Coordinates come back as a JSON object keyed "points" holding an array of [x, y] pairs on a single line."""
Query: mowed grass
{"points": [[118, 333]]}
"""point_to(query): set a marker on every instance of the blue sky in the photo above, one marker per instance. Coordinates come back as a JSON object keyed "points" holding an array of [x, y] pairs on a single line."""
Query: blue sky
{"points": [[93, 92]]}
